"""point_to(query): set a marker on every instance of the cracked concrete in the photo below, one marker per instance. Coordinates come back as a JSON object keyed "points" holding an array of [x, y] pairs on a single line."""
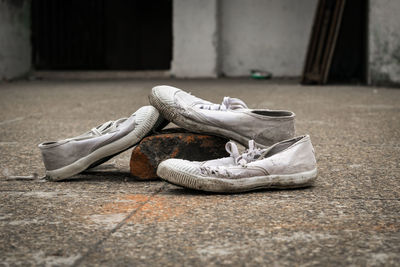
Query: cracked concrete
{"points": [[106, 217]]}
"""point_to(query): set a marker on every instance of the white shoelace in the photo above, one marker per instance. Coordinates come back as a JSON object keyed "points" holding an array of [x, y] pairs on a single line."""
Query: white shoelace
{"points": [[251, 154], [227, 103], [107, 127]]}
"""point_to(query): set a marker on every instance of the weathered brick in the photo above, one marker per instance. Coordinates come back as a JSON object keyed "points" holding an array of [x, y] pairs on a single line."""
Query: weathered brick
{"points": [[173, 143]]}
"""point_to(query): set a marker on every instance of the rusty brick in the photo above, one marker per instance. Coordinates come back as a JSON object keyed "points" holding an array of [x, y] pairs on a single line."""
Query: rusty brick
{"points": [[173, 143]]}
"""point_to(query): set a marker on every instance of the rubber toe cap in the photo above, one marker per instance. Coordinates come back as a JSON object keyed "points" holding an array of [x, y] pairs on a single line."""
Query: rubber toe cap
{"points": [[165, 93]]}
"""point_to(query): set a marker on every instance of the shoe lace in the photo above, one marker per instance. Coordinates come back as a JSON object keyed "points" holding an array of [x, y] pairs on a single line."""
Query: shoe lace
{"points": [[107, 127], [250, 155], [227, 103]]}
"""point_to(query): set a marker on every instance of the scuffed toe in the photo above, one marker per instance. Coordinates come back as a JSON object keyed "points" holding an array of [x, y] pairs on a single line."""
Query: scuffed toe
{"points": [[178, 166], [165, 93]]}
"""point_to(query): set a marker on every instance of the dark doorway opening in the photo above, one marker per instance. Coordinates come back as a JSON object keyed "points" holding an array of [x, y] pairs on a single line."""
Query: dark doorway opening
{"points": [[337, 51], [102, 34], [349, 62]]}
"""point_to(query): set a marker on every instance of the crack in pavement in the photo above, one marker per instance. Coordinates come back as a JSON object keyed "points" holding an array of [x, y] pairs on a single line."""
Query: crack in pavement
{"points": [[12, 120]]}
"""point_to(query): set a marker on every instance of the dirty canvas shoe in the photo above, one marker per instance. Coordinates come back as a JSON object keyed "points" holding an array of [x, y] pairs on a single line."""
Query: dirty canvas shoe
{"points": [[287, 164], [231, 119], [68, 157]]}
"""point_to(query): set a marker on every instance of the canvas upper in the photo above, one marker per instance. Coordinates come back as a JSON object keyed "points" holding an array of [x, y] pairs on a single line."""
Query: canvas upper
{"points": [[287, 164], [232, 118], [70, 156]]}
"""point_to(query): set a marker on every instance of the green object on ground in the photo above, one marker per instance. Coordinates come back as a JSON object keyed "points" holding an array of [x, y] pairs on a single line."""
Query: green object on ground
{"points": [[258, 74]]}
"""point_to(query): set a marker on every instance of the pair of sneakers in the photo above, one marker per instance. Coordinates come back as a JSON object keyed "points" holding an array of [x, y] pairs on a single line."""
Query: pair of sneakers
{"points": [[288, 163]]}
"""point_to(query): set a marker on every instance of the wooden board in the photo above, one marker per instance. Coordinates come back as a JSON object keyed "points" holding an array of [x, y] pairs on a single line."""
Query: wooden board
{"points": [[322, 43]]}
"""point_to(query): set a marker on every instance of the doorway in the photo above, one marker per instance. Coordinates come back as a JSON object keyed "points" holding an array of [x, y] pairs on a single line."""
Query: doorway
{"points": [[337, 51], [102, 34]]}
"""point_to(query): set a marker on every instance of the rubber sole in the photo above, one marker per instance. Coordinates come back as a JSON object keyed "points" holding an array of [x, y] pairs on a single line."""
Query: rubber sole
{"points": [[107, 152], [173, 115], [212, 184]]}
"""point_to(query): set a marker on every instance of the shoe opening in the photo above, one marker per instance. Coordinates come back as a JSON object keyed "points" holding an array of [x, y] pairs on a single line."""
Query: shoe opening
{"points": [[52, 144], [273, 113], [49, 143], [282, 146]]}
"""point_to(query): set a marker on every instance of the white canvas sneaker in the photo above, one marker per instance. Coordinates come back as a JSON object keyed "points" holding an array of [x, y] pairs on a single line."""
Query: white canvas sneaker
{"points": [[68, 157], [231, 119], [287, 164]]}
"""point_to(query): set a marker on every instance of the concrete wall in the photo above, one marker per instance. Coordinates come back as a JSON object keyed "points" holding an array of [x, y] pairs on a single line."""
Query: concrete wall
{"points": [[384, 42], [195, 33], [270, 35], [230, 37], [15, 43]]}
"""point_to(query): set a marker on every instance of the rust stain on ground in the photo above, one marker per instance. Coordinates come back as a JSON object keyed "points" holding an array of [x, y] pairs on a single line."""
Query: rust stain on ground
{"points": [[155, 208], [158, 209], [124, 204]]}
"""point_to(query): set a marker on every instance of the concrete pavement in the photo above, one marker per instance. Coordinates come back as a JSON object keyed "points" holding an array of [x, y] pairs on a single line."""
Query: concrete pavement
{"points": [[105, 217]]}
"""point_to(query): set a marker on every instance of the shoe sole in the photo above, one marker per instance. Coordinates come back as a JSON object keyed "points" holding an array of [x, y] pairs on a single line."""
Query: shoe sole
{"points": [[212, 184], [152, 121], [171, 114]]}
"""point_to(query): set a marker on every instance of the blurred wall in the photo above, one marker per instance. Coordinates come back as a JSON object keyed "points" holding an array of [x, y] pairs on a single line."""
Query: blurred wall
{"points": [[230, 37], [15, 43], [195, 38], [384, 42], [270, 35]]}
